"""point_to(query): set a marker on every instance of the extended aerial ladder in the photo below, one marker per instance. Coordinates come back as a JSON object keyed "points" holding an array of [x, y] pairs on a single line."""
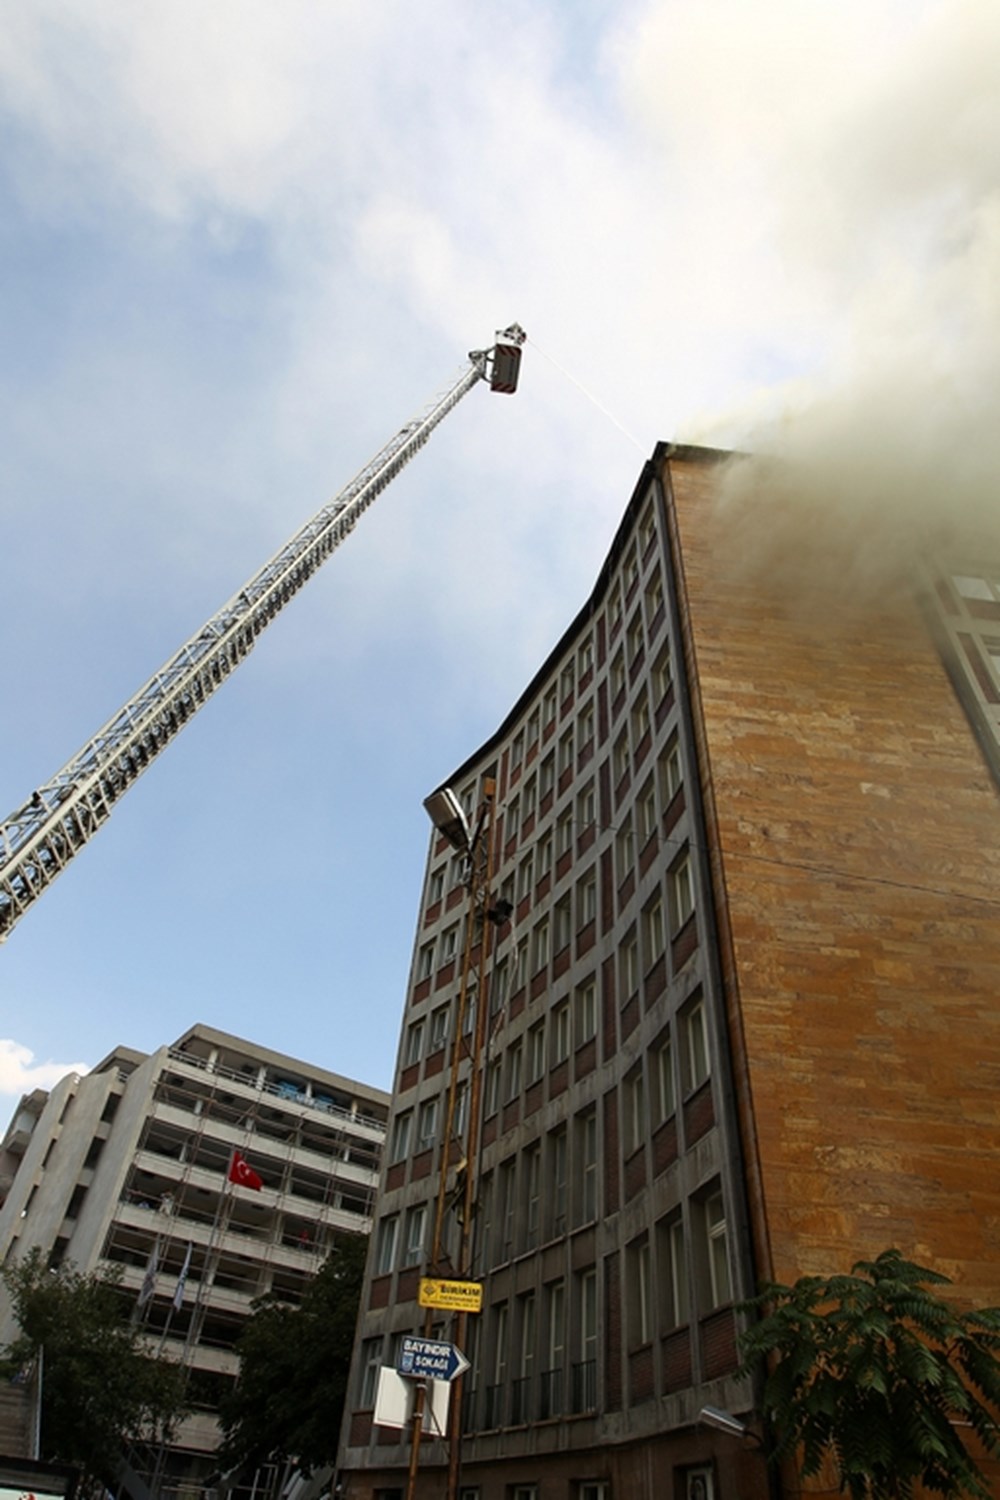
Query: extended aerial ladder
{"points": [[40, 838]]}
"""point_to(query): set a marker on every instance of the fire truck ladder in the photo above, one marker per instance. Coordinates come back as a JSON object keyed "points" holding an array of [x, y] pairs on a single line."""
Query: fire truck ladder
{"points": [[38, 840]]}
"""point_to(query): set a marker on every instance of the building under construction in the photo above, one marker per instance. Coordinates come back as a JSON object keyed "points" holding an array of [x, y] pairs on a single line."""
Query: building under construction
{"points": [[132, 1167]]}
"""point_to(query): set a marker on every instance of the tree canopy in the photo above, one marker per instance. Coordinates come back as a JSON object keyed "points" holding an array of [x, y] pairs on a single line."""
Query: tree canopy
{"points": [[101, 1385], [881, 1375], [288, 1399]]}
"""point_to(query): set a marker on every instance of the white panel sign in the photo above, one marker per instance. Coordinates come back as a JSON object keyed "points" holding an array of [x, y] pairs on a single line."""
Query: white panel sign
{"points": [[394, 1398]]}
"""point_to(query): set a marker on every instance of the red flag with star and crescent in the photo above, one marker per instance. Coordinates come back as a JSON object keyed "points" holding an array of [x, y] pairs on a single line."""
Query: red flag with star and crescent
{"points": [[243, 1174]]}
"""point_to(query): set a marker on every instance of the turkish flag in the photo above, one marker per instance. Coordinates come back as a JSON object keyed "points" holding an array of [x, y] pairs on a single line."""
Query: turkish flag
{"points": [[243, 1174]]}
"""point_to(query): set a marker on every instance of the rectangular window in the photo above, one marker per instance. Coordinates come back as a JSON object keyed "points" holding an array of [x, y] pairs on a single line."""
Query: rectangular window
{"points": [[439, 1028], [624, 848], [567, 681], [520, 965], [671, 1273], [549, 706], [614, 609], [617, 678], [385, 1249], [435, 886], [646, 812], [662, 1064], [449, 944], [536, 1052], [654, 598], [414, 1044], [493, 1074], [530, 803], [526, 876], [427, 1123], [586, 726], [585, 657], [564, 832], [631, 571], [585, 1149], [560, 1033], [634, 638], [547, 775], [662, 675], [628, 967], [533, 728], [425, 962], [638, 1292], [713, 1262], [653, 932], [513, 1070], [680, 888], [370, 1363], [695, 1057], [544, 852], [563, 923], [586, 809], [640, 718], [635, 1110], [416, 1223], [585, 1007], [647, 531], [507, 1210], [517, 750], [540, 946], [532, 1196], [401, 1132], [566, 750], [558, 1147], [671, 775]]}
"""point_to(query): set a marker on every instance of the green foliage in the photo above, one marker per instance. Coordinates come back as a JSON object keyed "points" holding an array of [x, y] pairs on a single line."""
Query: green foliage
{"points": [[880, 1374], [294, 1362], [101, 1385]]}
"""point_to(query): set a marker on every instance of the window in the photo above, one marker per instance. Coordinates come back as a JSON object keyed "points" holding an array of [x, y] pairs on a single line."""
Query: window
{"points": [[564, 832], [585, 1007], [628, 966], [370, 1363], [533, 728], [585, 1146], [699, 1484], [638, 1292], [414, 1044], [654, 598], [717, 1283], [532, 1195], [558, 1155], [619, 757], [672, 1281], [617, 678], [585, 1396], [653, 932], [507, 1208], [540, 946], [544, 852], [461, 1109], [413, 1246], [439, 1028], [530, 802], [551, 1393], [500, 1344], [560, 1033], [647, 531], [547, 775], [563, 923], [517, 750], [631, 571], [646, 812], [680, 887], [493, 1087], [670, 771], [525, 1358], [635, 1110], [435, 886], [498, 989], [586, 726], [586, 899], [549, 705], [536, 1052], [513, 1070], [427, 1123], [586, 808], [512, 822], [585, 657], [385, 1249], [662, 1079], [567, 681], [401, 1132], [566, 750], [615, 609], [634, 637], [425, 962], [520, 964], [624, 848], [695, 1057], [449, 944], [640, 718], [526, 876], [662, 675]]}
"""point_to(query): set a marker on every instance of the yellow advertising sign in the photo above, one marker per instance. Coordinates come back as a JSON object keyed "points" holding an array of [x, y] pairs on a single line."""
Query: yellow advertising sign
{"points": [[452, 1296]]}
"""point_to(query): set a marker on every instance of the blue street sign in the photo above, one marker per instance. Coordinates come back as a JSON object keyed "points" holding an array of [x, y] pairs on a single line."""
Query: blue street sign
{"points": [[430, 1359]]}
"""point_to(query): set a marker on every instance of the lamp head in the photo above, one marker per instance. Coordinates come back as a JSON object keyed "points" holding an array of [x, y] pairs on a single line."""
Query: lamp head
{"points": [[448, 816]]}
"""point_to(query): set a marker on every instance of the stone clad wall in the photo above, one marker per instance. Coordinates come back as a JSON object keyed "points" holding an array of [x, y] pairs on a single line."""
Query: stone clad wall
{"points": [[858, 876]]}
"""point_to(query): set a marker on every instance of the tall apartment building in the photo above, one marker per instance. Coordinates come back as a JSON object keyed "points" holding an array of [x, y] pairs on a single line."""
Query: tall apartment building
{"points": [[129, 1167], [742, 1025]]}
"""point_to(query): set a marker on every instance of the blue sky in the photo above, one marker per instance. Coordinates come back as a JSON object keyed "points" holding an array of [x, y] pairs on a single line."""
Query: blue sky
{"points": [[239, 246]]}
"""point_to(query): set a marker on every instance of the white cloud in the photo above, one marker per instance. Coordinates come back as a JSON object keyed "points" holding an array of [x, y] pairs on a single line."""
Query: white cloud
{"points": [[19, 1073]]}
